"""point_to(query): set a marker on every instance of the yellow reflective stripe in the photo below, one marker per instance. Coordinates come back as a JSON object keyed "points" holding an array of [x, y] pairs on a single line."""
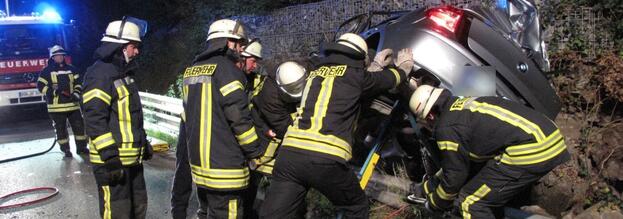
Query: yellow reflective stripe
{"points": [[321, 147], [231, 87], [247, 137], [473, 198], [220, 178], [54, 82], [107, 209], [233, 209], [444, 195], [432, 200], [205, 129], [258, 84], [63, 109], [219, 183], [103, 141], [71, 83], [80, 137], [220, 173], [271, 149], [535, 158], [397, 75], [536, 146], [299, 111], [44, 90], [315, 141], [125, 119], [185, 93], [96, 93], [42, 80], [426, 190], [506, 116], [322, 104], [62, 141], [448, 145], [61, 105]]}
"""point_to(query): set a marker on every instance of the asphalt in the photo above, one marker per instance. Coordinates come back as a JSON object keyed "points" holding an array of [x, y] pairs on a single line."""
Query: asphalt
{"points": [[25, 132]]}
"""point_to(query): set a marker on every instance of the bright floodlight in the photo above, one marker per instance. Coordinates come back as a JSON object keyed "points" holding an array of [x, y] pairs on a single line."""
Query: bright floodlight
{"points": [[51, 14]]}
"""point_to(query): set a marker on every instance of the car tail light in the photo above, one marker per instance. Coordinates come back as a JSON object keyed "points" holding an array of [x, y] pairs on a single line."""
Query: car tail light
{"points": [[446, 17]]}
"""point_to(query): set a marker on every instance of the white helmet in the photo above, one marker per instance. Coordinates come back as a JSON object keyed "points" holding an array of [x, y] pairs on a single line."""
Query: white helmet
{"points": [[57, 50], [423, 100], [122, 32], [226, 28], [354, 42], [254, 49], [290, 78]]}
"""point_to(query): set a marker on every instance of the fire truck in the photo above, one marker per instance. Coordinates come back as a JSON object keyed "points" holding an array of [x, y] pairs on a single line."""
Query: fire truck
{"points": [[24, 43]]}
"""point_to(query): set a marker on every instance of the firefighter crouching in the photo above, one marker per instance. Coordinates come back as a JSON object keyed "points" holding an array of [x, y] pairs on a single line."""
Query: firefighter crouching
{"points": [[220, 133], [516, 144], [114, 122], [275, 106], [317, 146], [273, 109], [61, 85]]}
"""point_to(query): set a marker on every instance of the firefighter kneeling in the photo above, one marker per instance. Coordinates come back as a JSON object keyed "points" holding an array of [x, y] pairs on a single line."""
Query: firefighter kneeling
{"points": [[515, 145]]}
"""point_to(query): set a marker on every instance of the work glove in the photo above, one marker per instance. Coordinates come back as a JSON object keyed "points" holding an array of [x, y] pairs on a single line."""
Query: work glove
{"points": [[114, 170], [149, 151], [381, 60], [404, 61]]}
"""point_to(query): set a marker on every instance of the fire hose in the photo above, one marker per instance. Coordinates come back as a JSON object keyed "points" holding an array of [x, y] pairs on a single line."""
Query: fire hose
{"points": [[52, 190]]}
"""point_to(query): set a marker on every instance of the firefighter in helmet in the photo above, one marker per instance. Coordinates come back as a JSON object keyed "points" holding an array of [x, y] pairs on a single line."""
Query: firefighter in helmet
{"points": [[114, 121], [506, 144], [220, 133], [317, 146], [61, 85]]}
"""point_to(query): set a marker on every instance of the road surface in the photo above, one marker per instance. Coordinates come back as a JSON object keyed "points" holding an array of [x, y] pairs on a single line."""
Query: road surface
{"points": [[30, 131]]}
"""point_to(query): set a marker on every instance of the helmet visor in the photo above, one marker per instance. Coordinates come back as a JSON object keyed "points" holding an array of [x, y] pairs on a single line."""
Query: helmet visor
{"points": [[142, 24]]}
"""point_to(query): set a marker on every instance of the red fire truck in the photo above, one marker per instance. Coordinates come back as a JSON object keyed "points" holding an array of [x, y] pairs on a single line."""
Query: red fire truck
{"points": [[24, 43]]}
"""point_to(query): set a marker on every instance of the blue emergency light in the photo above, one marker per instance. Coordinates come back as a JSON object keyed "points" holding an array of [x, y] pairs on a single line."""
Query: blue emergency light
{"points": [[51, 15]]}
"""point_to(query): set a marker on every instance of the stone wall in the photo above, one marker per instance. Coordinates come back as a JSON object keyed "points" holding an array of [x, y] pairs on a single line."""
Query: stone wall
{"points": [[293, 32]]}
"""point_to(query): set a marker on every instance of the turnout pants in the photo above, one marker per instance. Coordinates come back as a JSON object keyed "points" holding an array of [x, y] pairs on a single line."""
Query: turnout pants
{"points": [[59, 121], [182, 179], [220, 204], [295, 173], [485, 195], [126, 199]]}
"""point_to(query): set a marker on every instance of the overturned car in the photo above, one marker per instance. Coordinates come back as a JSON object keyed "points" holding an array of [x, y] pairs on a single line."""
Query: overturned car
{"points": [[484, 49]]}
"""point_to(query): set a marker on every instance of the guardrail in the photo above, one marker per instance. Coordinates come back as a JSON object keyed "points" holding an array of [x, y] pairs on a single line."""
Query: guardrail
{"points": [[161, 113]]}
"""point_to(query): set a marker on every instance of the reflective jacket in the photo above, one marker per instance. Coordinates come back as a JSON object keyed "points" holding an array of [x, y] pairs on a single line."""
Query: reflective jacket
{"points": [[477, 129], [330, 105], [112, 109], [56, 79], [272, 110], [219, 129]]}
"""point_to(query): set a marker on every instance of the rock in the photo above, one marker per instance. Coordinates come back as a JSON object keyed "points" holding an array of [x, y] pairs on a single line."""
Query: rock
{"points": [[600, 211], [535, 209]]}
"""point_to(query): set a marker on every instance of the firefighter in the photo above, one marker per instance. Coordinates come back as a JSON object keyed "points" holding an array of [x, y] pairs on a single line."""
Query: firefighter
{"points": [[515, 145], [220, 133], [273, 107], [114, 122], [317, 146], [60, 83]]}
